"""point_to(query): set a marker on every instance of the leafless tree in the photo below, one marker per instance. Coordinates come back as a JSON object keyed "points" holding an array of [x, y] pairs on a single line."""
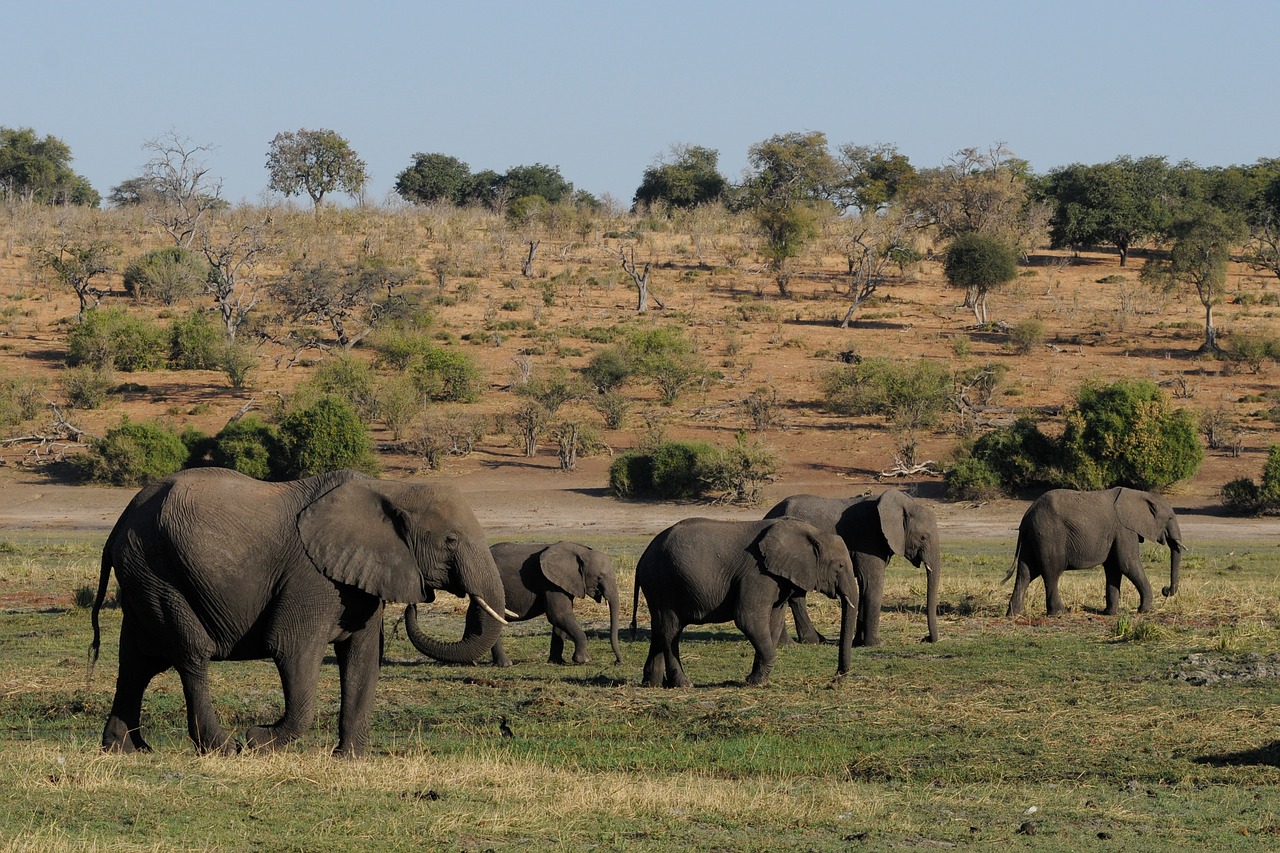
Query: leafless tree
{"points": [[641, 280], [232, 282], [182, 192], [77, 265]]}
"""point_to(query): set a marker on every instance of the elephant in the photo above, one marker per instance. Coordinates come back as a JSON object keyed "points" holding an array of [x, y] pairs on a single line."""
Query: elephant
{"points": [[546, 578], [1068, 529], [873, 529], [702, 570], [213, 565]]}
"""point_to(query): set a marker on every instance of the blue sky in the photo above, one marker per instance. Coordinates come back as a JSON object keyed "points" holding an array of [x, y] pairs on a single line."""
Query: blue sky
{"points": [[601, 89]]}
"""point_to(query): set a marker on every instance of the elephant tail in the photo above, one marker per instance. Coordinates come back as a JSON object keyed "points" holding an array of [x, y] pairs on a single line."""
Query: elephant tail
{"points": [[1017, 553], [104, 577], [635, 607]]}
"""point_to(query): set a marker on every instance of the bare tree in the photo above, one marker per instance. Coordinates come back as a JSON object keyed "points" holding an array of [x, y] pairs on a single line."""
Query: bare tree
{"points": [[641, 280], [346, 297], [232, 282], [77, 265], [870, 244], [181, 190]]}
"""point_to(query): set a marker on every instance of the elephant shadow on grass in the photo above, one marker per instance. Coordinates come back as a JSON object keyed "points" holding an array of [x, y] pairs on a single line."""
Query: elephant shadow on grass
{"points": [[1267, 755]]}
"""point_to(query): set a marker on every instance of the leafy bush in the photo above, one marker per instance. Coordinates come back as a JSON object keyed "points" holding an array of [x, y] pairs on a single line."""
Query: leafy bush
{"points": [[1252, 350], [112, 337], [344, 378], [19, 400], [133, 454], [910, 395], [195, 343], [739, 472], [238, 361], [1026, 335], [971, 479], [447, 374], [1245, 497], [1123, 434], [250, 446], [169, 274], [325, 437], [608, 369], [87, 387], [669, 470]]}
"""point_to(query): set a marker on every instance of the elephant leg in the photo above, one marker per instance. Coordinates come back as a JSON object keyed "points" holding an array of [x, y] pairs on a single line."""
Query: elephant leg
{"points": [[1052, 597], [805, 632], [1112, 570], [202, 721], [560, 615], [675, 668], [1128, 557], [359, 660], [499, 654], [123, 730], [761, 633], [299, 669], [870, 598], [663, 665]]}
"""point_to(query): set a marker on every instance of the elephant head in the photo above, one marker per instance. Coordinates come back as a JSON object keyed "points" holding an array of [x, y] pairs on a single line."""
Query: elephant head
{"points": [[911, 530], [584, 573], [1152, 518], [402, 542], [815, 562]]}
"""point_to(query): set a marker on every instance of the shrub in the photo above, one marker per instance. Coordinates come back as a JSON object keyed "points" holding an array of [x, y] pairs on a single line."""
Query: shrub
{"points": [[1026, 335], [1245, 497], [972, 479], [250, 446], [238, 360], [738, 473], [87, 387], [910, 395], [169, 274], [19, 400], [613, 407], [1122, 434], [1252, 350], [195, 343], [447, 374], [112, 337], [608, 369], [669, 470], [344, 378], [133, 454], [325, 437]]}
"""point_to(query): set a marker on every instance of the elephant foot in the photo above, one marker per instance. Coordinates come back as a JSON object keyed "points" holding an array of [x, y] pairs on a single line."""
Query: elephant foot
{"points": [[117, 736], [1145, 608], [679, 682], [349, 751], [928, 638], [754, 680], [582, 658], [503, 661], [265, 738]]}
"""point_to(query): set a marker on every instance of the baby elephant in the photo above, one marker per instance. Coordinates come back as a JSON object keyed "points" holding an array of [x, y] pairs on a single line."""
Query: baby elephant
{"points": [[546, 579], [702, 570]]}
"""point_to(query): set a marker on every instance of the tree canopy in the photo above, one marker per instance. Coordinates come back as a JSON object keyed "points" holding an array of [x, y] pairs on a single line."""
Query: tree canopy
{"points": [[38, 170], [687, 178], [1117, 203], [435, 177], [315, 162], [979, 263]]}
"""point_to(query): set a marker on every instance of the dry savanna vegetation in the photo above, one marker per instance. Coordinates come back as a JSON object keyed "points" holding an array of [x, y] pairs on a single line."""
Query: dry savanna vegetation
{"points": [[1141, 732]]}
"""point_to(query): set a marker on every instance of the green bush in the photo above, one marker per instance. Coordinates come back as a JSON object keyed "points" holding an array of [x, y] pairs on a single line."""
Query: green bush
{"points": [[1245, 497], [250, 446], [112, 337], [971, 479], [19, 400], [1026, 335], [1252, 350], [446, 374], [910, 395], [325, 437], [739, 472], [1123, 434], [670, 470], [169, 274], [133, 454], [195, 343], [608, 369], [345, 378], [87, 387]]}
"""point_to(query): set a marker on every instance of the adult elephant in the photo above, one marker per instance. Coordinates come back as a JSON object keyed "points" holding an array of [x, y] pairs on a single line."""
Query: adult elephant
{"points": [[213, 565], [702, 570], [873, 529], [1067, 529], [545, 579]]}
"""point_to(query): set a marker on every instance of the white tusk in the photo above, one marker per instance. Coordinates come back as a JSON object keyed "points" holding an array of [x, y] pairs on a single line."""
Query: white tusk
{"points": [[511, 614], [490, 610], [928, 569]]}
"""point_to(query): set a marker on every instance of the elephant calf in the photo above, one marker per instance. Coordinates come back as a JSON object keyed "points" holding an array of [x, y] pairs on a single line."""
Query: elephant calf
{"points": [[1066, 529], [545, 579], [701, 571]]}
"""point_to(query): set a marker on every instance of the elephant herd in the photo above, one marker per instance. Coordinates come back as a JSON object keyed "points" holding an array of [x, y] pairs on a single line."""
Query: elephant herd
{"points": [[212, 565]]}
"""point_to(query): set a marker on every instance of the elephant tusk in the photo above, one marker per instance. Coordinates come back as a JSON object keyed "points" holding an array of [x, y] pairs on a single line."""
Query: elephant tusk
{"points": [[928, 569], [490, 610], [511, 614]]}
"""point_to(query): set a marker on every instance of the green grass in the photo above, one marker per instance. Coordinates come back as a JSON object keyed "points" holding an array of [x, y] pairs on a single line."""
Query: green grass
{"points": [[947, 745]]}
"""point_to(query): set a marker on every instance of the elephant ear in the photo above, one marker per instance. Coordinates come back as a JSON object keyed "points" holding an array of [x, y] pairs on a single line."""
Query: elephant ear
{"points": [[894, 512], [560, 565], [354, 534], [790, 550], [1138, 512]]}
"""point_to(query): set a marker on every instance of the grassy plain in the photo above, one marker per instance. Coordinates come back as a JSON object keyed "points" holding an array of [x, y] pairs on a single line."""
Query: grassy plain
{"points": [[1057, 734]]}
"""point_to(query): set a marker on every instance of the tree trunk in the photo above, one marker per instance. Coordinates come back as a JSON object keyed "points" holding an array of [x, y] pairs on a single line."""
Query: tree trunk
{"points": [[1210, 333]]}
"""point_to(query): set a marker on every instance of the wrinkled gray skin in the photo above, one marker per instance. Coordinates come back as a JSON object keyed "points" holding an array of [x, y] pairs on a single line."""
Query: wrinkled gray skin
{"points": [[700, 571], [213, 565], [1066, 529], [873, 529], [545, 579]]}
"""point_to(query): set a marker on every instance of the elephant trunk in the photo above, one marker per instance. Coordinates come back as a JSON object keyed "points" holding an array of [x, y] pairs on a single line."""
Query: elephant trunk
{"points": [[847, 591], [931, 600], [611, 595], [478, 578], [1175, 568]]}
